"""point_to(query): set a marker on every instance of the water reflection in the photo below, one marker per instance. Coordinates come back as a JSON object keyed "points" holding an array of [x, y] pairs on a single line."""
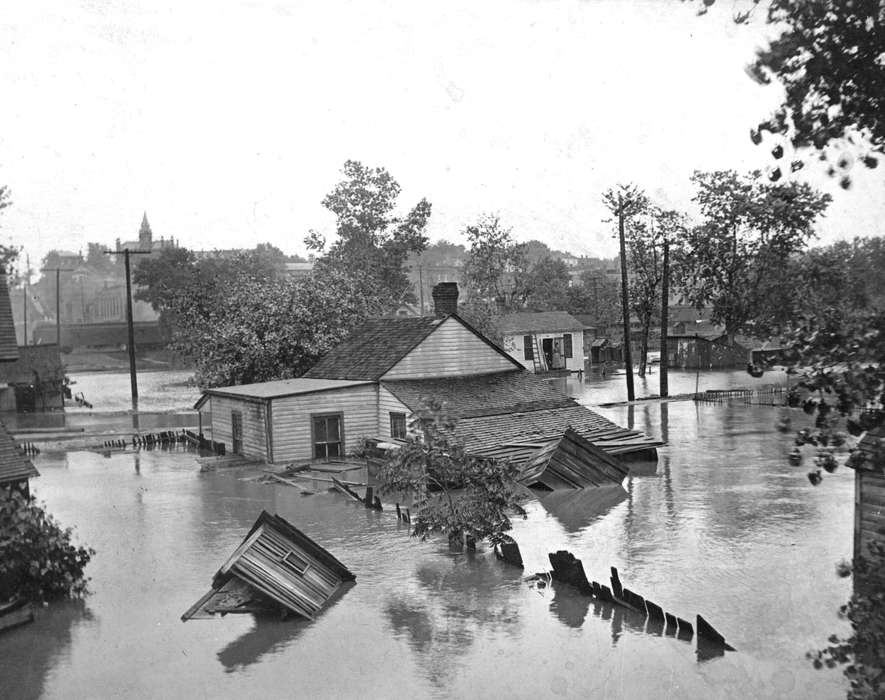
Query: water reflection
{"points": [[576, 510], [35, 649], [268, 636], [457, 599]]}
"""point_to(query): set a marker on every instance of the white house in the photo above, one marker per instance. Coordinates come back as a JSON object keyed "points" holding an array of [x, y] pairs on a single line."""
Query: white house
{"points": [[544, 341]]}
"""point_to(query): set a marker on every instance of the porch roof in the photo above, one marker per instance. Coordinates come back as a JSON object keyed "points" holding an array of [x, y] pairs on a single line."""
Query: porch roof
{"points": [[278, 389]]}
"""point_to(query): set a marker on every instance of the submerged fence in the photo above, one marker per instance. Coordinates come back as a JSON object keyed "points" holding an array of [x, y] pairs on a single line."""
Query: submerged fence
{"points": [[770, 395]]}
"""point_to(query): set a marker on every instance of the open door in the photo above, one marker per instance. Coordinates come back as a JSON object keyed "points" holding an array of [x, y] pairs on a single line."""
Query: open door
{"points": [[236, 430]]}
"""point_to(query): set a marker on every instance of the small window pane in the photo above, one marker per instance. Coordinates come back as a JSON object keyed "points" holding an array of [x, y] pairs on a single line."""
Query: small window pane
{"points": [[319, 430], [333, 429]]}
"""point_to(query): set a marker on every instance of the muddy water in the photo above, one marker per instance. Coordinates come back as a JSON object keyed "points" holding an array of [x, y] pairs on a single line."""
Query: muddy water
{"points": [[721, 526]]}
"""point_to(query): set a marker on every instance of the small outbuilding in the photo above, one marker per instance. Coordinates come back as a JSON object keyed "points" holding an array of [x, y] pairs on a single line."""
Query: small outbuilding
{"points": [[276, 566], [573, 462], [544, 341], [15, 468], [869, 492]]}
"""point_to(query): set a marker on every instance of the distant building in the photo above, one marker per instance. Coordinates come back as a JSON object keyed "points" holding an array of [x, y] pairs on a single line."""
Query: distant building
{"points": [[543, 341], [146, 239], [297, 270]]}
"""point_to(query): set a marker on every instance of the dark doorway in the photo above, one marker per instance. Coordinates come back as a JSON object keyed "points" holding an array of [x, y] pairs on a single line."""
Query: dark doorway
{"points": [[236, 430]]}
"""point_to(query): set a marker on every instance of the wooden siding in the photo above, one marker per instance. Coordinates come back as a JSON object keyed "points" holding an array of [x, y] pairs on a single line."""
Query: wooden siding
{"points": [[869, 509], [254, 425], [450, 351], [292, 419], [387, 404], [514, 346]]}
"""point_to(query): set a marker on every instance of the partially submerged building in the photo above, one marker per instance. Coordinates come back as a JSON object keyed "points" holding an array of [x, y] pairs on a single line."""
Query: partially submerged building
{"points": [[15, 467], [698, 351], [275, 567], [544, 341], [370, 385], [869, 492]]}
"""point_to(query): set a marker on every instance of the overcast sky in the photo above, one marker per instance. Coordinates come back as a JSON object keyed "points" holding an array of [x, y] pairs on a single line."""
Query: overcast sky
{"points": [[228, 121]]}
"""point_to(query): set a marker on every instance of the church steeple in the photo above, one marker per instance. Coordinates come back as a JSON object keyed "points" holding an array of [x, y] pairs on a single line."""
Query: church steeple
{"points": [[145, 235]]}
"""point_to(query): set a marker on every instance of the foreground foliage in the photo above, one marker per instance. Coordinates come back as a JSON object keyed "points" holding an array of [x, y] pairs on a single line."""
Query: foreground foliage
{"points": [[456, 493], [38, 561]]}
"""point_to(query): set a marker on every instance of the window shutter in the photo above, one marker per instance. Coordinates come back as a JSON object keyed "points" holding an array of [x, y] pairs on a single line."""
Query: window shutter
{"points": [[567, 345], [527, 348]]}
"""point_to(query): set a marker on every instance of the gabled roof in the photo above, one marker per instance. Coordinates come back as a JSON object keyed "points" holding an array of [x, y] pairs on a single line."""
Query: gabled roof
{"points": [[538, 322], [380, 343], [277, 389], [574, 462], [14, 466], [481, 395], [8, 343]]}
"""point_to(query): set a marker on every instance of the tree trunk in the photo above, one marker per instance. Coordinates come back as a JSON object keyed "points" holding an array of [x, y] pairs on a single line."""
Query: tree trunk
{"points": [[643, 348]]}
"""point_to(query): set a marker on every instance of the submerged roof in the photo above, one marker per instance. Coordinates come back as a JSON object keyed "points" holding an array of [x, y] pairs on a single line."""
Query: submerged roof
{"points": [[8, 343], [481, 395], [538, 322], [573, 462], [278, 389], [518, 436], [14, 466]]}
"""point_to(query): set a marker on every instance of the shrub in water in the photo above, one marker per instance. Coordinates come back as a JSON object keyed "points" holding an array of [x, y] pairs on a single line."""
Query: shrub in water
{"points": [[37, 559]]}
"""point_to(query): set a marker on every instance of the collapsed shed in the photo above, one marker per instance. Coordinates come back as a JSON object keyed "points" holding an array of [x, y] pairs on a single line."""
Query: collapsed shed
{"points": [[276, 567], [572, 462]]}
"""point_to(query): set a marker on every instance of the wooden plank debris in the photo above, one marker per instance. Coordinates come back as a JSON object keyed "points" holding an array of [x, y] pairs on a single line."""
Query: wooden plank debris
{"points": [[572, 461]]}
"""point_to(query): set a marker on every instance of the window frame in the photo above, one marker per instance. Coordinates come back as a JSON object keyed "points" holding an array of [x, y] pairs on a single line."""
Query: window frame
{"points": [[528, 348], [398, 415], [313, 435]]}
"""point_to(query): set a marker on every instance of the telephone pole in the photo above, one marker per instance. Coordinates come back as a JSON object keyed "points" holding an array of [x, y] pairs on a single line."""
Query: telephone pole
{"points": [[625, 306], [133, 381], [665, 307], [57, 271]]}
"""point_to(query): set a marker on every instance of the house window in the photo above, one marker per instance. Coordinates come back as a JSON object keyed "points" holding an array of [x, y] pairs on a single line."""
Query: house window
{"points": [[567, 345], [328, 440], [527, 347], [398, 426]]}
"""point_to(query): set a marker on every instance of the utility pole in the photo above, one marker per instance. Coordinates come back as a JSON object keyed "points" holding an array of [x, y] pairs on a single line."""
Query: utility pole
{"points": [[57, 271], [421, 285], [625, 306], [133, 381], [25, 295], [665, 307]]}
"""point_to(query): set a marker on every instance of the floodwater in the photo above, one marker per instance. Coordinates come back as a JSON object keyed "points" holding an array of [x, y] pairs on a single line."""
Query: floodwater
{"points": [[721, 526]]}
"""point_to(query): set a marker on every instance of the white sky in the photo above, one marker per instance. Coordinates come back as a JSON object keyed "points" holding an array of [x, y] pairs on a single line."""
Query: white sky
{"points": [[229, 121]]}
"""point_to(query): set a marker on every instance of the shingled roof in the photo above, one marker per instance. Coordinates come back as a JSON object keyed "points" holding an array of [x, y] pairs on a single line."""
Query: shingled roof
{"points": [[373, 348], [14, 466], [481, 395], [8, 343], [538, 322], [573, 462]]}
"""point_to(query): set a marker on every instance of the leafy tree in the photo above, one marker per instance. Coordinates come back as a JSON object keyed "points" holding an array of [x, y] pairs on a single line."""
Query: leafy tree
{"points": [[548, 282], [456, 493], [262, 329], [370, 237], [645, 261], [841, 357], [828, 58], [99, 262], [37, 558], [628, 204], [749, 229], [596, 295], [496, 270], [8, 254]]}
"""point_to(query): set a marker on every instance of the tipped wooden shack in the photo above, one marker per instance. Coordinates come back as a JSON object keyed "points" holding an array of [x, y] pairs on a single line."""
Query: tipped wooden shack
{"points": [[277, 567]]}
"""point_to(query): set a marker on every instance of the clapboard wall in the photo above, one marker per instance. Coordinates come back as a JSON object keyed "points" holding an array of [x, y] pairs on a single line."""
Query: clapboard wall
{"points": [[869, 510], [291, 419], [387, 404], [254, 424], [451, 350]]}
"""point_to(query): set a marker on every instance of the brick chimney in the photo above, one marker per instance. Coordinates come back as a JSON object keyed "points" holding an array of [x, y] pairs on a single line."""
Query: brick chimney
{"points": [[445, 298]]}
